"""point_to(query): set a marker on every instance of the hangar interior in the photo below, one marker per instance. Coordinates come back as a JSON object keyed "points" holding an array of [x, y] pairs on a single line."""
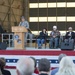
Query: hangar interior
{"points": [[40, 14]]}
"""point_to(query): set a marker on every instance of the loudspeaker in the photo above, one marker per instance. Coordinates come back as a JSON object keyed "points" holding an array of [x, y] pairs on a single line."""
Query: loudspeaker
{"points": [[68, 46], [3, 46]]}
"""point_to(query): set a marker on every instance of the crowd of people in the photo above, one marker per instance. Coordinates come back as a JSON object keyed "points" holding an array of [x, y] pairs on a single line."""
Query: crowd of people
{"points": [[27, 66], [54, 36]]}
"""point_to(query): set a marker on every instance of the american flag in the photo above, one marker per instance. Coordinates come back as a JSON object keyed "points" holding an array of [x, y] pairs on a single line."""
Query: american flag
{"points": [[13, 56]]}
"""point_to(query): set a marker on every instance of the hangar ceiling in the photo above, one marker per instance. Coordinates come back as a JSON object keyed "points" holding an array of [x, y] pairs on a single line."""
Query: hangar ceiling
{"points": [[10, 12]]}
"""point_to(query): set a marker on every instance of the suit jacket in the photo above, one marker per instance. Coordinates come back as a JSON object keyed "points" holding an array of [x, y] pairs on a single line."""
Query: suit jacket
{"points": [[72, 35]]}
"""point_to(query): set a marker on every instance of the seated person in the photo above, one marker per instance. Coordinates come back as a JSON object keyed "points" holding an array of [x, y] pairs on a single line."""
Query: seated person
{"points": [[54, 36], [70, 35], [42, 37]]}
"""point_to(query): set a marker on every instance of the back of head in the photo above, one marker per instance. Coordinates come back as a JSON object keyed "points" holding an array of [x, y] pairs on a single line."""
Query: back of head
{"points": [[34, 61], [66, 67], [66, 62], [44, 65], [2, 63], [25, 66], [61, 56]]}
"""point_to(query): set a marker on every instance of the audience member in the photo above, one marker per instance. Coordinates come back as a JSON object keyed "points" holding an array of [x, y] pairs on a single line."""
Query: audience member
{"points": [[25, 66], [70, 35], [35, 70], [44, 66], [54, 37], [66, 67], [42, 38], [54, 71], [2, 66]]}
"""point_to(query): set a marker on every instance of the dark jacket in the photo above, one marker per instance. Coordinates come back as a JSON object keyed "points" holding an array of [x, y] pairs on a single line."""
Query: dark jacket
{"points": [[43, 35], [72, 35], [1, 29], [5, 72]]}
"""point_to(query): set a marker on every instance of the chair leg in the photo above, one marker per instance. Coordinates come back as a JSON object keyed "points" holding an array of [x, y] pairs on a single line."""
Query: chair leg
{"points": [[35, 44], [45, 45]]}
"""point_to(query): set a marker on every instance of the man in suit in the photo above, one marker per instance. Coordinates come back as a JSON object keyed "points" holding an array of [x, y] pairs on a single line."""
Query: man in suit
{"points": [[70, 35], [54, 71], [25, 24], [44, 66]]}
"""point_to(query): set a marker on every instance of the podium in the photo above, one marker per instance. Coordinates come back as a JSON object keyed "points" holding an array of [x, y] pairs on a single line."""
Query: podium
{"points": [[19, 36]]}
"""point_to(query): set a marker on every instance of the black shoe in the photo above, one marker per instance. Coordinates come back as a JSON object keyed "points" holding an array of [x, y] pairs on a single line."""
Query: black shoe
{"points": [[55, 47], [51, 47]]}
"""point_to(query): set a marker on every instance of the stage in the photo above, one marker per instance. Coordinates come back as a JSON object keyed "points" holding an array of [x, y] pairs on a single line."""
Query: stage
{"points": [[36, 52], [34, 49]]}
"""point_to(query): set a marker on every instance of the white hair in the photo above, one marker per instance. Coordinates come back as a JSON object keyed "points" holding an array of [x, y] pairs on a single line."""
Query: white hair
{"points": [[70, 28], [55, 27], [25, 66], [66, 67]]}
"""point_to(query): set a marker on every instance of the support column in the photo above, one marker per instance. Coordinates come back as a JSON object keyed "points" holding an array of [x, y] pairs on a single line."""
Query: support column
{"points": [[26, 9], [9, 16]]}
